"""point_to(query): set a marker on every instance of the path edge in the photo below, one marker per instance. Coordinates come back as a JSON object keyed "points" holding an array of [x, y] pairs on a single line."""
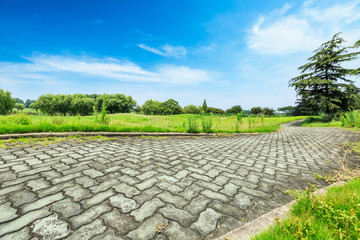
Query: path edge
{"points": [[263, 222]]}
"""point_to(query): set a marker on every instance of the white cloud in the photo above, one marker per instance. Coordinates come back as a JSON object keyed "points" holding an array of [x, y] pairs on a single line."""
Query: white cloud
{"points": [[166, 50], [52, 69], [305, 28]]}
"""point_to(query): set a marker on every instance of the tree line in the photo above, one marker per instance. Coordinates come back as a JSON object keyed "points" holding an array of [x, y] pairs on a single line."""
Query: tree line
{"points": [[87, 104]]}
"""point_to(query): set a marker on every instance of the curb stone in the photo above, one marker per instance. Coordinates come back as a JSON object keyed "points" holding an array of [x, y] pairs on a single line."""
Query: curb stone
{"points": [[263, 222]]}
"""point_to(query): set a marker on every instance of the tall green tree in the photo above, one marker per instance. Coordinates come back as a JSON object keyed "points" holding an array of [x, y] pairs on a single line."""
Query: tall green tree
{"points": [[7, 103], [323, 84], [204, 106]]}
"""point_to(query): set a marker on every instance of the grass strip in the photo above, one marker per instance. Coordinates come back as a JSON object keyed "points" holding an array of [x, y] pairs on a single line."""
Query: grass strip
{"points": [[334, 215]]}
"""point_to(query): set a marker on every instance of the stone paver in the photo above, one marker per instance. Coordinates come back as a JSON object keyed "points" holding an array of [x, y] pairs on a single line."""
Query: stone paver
{"points": [[163, 189]]}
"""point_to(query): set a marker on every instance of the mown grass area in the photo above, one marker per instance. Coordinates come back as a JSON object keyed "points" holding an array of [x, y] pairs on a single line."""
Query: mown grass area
{"points": [[335, 215], [21, 123]]}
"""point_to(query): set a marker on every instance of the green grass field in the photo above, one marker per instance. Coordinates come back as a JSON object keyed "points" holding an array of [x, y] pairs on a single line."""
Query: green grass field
{"points": [[335, 215], [128, 122]]}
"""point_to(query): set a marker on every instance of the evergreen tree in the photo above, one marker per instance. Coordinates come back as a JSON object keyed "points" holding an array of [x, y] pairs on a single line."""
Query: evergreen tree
{"points": [[204, 106], [322, 84]]}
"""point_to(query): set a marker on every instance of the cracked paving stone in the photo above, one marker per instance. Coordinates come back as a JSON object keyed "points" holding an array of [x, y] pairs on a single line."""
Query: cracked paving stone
{"points": [[147, 209], [207, 221], [23, 220], [148, 228], [23, 234], [7, 212], [243, 200], [125, 204], [175, 232], [108, 235], [66, 208], [50, 228], [183, 217], [21, 197], [87, 231], [123, 223]]}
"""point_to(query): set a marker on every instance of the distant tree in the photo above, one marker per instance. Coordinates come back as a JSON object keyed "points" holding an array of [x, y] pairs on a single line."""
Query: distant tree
{"points": [[116, 103], [192, 109], [256, 110], [234, 109], [93, 96], [204, 106], [7, 103], [28, 102], [170, 107], [215, 110], [18, 100], [82, 106], [322, 84], [19, 106], [288, 111], [34, 105], [151, 107], [137, 109], [268, 111]]}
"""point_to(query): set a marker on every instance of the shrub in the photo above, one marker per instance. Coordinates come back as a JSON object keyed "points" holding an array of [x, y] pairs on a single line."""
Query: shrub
{"points": [[192, 125], [351, 119], [206, 123], [192, 109], [7, 103], [19, 106], [82, 106], [234, 109], [116, 103]]}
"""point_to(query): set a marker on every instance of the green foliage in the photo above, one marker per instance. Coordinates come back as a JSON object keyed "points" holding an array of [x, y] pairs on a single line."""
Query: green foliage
{"points": [[19, 106], [239, 116], [287, 111], [215, 110], [256, 110], [322, 85], [81, 105], [351, 119], [192, 125], [335, 215], [206, 124], [192, 109], [116, 103], [15, 119], [170, 107], [204, 106], [268, 111], [28, 102], [151, 107], [18, 100], [234, 109], [7, 103], [104, 119]]}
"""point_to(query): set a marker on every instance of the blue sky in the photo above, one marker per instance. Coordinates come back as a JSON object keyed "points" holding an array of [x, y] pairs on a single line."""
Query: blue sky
{"points": [[227, 52]]}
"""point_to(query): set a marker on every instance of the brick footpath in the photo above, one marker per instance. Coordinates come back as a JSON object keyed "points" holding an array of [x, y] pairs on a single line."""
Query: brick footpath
{"points": [[174, 188]]}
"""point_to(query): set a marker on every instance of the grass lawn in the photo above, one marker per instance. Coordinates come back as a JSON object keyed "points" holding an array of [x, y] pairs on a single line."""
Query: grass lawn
{"points": [[335, 215], [320, 122], [128, 122]]}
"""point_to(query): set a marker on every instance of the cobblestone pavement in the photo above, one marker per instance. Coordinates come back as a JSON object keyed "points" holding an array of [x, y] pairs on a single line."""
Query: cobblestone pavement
{"points": [[146, 188]]}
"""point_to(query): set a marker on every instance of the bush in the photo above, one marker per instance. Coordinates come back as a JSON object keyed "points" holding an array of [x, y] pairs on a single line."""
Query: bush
{"points": [[206, 124], [256, 110], [7, 103], [351, 119], [234, 109], [192, 109], [192, 125], [82, 106]]}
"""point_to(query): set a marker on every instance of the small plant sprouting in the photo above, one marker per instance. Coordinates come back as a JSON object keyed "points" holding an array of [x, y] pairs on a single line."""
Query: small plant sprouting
{"points": [[104, 119], [206, 124], [192, 125]]}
